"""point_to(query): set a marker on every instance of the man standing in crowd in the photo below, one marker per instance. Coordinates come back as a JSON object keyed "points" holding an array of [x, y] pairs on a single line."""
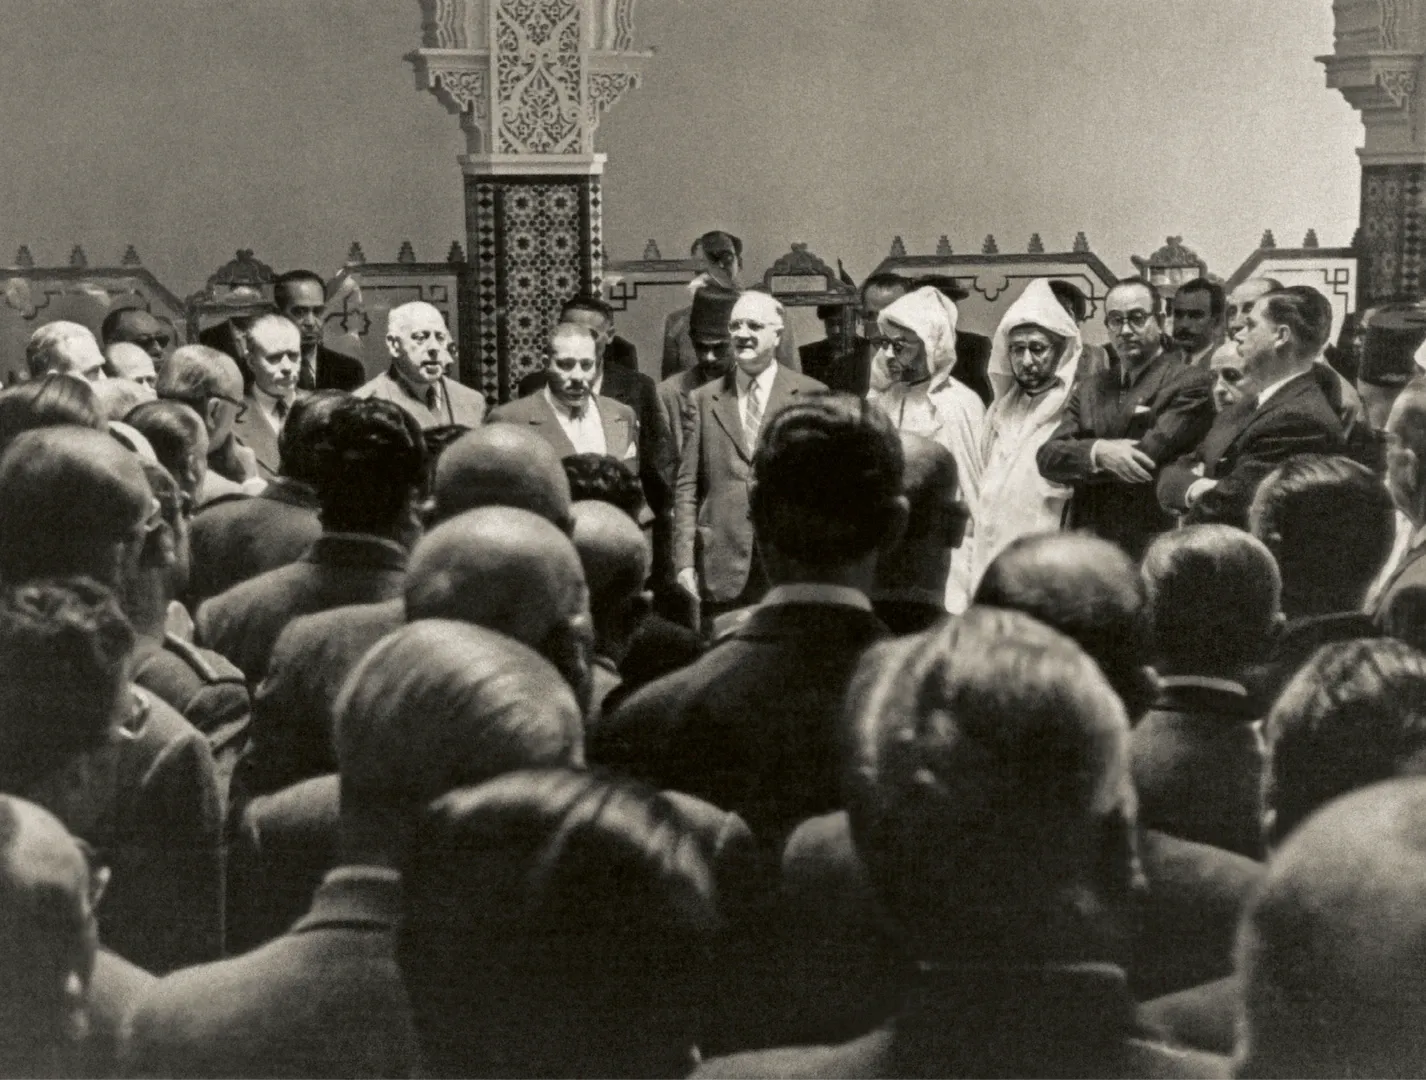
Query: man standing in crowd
{"points": [[419, 342], [1199, 324], [274, 359], [301, 295], [125, 361], [1122, 424], [210, 383], [135, 326], [715, 555], [713, 348], [1280, 341], [1406, 480], [66, 348]]}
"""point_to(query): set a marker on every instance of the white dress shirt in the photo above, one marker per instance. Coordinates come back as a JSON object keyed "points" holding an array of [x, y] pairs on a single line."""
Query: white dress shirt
{"points": [[1272, 388], [585, 431], [764, 380]]}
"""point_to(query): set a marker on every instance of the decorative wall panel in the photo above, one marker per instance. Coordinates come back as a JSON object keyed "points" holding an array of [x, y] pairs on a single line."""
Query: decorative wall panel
{"points": [[1389, 243]]}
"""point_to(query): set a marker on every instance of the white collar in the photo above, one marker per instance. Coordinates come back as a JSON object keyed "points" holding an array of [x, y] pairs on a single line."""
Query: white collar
{"points": [[1418, 537], [816, 592], [362, 872], [1272, 388], [764, 380], [591, 409], [1203, 682]]}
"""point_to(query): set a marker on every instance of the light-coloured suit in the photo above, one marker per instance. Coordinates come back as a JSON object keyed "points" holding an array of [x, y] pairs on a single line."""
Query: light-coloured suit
{"points": [[459, 404], [673, 402], [259, 436], [712, 521], [621, 426]]}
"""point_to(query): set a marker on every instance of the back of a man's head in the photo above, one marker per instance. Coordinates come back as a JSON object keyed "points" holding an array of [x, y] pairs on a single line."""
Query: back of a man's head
{"points": [[935, 521], [370, 467], [68, 496], [116, 398], [827, 483], [502, 465], [988, 784], [1353, 715], [438, 704], [178, 438], [1086, 588], [602, 478], [49, 401], [66, 646], [47, 942], [616, 559], [1332, 947], [1214, 600], [1330, 524], [194, 373], [304, 432], [67, 348]]}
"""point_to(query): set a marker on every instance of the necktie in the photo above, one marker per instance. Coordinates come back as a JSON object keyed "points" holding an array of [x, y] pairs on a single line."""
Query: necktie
{"points": [[753, 418], [433, 398], [279, 409], [307, 377]]}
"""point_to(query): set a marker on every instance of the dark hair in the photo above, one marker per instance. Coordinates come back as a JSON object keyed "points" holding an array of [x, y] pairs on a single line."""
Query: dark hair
{"points": [[166, 490], [929, 479], [49, 401], [1304, 311], [303, 432], [1354, 715], [296, 277], [369, 461], [886, 279], [557, 923], [1086, 588], [65, 644], [1213, 597], [1405, 616], [1072, 298], [827, 312], [944, 284], [1156, 298], [110, 326], [1217, 298], [587, 302], [717, 238], [826, 477], [1331, 525], [173, 429], [604, 479]]}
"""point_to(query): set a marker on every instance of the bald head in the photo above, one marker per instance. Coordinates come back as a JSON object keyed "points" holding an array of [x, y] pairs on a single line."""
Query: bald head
{"points": [[125, 360], [1333, 947], [616, 561], [502, 465], [68, 496], [755, 326], [196, 372]]}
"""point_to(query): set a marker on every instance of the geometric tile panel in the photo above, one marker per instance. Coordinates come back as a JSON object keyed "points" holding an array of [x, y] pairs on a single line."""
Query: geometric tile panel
{"points": [[1392, 237]]}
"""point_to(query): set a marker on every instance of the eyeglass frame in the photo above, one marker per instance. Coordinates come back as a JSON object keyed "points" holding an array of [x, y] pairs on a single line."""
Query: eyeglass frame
{"points": [[1136, 319]]}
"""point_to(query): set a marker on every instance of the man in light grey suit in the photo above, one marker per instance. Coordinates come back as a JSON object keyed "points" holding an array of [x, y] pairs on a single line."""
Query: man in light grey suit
{"points": [[713, 550], [420, 345]]}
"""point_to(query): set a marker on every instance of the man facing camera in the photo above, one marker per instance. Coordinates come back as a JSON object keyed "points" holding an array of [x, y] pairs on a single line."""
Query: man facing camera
{"points": [[274, 359], [420, 345], [301, 296]]}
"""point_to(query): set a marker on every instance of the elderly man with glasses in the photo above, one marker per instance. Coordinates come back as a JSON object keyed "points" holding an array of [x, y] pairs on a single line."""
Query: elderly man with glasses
{"points": [[209, 381], [1121, 424]]}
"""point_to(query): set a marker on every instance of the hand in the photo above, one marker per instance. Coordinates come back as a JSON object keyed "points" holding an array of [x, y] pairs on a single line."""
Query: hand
{"points": [[688, 581], [1125, 460]]}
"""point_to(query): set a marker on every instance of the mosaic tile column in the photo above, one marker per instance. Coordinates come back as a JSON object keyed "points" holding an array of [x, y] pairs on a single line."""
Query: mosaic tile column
{"points": [[529, 80], [1390, 237]]}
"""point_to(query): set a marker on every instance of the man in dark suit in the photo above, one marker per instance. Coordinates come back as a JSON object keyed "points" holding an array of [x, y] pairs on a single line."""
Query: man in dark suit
{"points": [[751, 727], [238, 539], [714, 555], [1009, 888], [1213, 612], [433, 707], [713, 348], [1330, 526], [369, 484], [1121, 425], [1288, 413], [616, 563], [1406, 480], [910, 591], [301, 296], [818, 357]]}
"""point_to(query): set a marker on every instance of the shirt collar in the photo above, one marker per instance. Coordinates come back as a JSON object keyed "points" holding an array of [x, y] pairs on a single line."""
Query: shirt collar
{"points": [[561, 409], [1272, 388], [816, 592], [764, 379], [1202, 682], [362, 872]]}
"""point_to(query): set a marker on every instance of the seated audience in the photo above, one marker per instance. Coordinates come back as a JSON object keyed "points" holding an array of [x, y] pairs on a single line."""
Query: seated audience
{"points": [[432, 707], [242, 538], [65, 348], [127, 361], [49, 401], [616, 564], [989, 796], [1331, 946], [1213, 610], [211, 383], [1329, 524], [369, 486], [76, 503], [751, 726], [559, 924], [910, 591]]}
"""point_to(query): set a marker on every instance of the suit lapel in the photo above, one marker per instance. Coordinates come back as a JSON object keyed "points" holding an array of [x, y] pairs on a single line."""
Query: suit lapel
{"points": [[1284, 396], [617, 436], [782, 390], [725, 411], [545, 419]]}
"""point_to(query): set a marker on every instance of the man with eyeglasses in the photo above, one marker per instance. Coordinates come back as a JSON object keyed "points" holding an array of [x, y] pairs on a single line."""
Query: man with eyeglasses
{"points": [[1121, 424], [209, 381], [135, 326]]}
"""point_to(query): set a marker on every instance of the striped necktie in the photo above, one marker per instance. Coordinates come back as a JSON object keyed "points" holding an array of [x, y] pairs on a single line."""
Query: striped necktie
{"points": [[753, 415]]}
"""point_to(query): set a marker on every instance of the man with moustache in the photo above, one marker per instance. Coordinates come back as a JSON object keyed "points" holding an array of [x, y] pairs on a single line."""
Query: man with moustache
{"points": [[1198, 320], [301, 295], [420, 346], [714, 554], [274, 357], [713, 347]]}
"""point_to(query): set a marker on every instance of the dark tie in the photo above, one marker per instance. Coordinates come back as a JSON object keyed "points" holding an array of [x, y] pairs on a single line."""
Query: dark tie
{"points": [[433, 398], [280, 408], [307, 377]]}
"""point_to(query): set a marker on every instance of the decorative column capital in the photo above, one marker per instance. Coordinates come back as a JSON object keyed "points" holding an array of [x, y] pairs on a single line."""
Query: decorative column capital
{"points": [[529, 79], [1376, 63]]}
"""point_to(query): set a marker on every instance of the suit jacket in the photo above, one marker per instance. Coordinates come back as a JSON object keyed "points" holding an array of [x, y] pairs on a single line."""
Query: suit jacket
{"points": [[673, 403], [621, 353], [819, 357], [1410, 572], [460, 404], [241, 538], [292, 729], [1299, 639], [1198, 766], [1063, 1020], [259, 436], [678, 354], [752, 726], [850, 372], [325, 999], [1204, 1017], [341, 568], [621, 426], [1244, 444], [657, 647], [907, 615], [1166, 408], [336, 371], [712, 522]]}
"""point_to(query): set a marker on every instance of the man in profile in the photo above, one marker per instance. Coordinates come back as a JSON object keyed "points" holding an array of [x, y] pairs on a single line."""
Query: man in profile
{"points": [[209, 382], [301, 295], [66, 348], [420, 346]]}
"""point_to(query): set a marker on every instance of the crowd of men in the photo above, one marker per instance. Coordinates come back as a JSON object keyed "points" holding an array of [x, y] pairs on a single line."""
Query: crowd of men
{"points": [[952, 706]]}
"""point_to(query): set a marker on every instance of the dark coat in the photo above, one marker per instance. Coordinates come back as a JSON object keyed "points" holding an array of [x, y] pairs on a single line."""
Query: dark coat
{"points": [[907, 616], [1244, 444], [752, 726], [1204, 1017], [325, 999], [1299, 639], [239, 539], [1166, 408], [1409, 573], [658, 647], [712, 520], [336, 371], [1198, 767], [621, 353], [244, 622]]}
